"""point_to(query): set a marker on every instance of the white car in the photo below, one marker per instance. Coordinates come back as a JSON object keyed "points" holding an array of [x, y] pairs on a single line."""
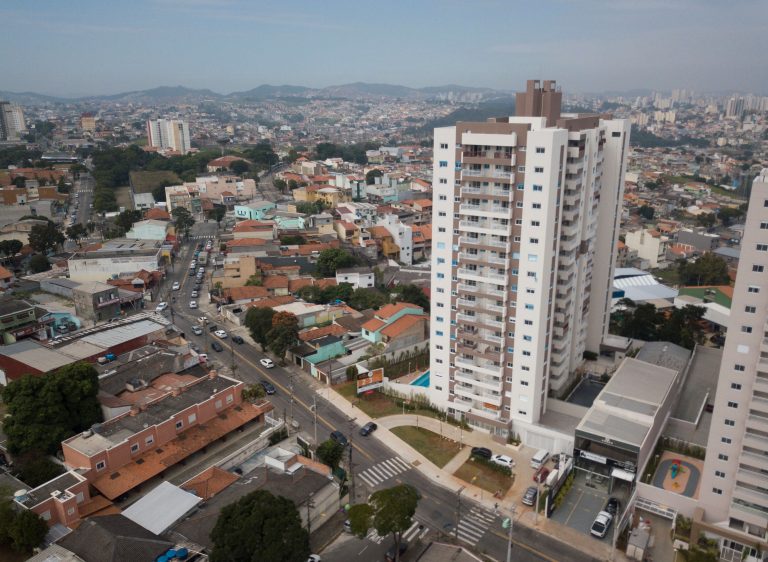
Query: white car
{"points": [[220, 334], [601, 524], [192, 304], [194, 294], [176, 286], [203, 357], [160, 307], [202, 319], [503, 460], [268, 363], [197, 330]]}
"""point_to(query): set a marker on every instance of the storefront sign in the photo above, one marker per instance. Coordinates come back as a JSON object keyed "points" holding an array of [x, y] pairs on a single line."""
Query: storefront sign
{"points": [[369, 381], [593, 457]]}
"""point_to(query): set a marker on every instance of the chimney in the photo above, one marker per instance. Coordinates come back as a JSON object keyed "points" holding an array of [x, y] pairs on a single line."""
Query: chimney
{"points": [[212, 374]]}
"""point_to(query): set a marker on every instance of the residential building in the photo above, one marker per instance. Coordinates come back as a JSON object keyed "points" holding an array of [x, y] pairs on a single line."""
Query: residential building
{"points": [[356, 276], [170, 134], [150, 229], [57, 501], [650, 246], [733, 499], [119, 257], [20, 319], [266, 230], [254, 210], [402, 237], [224, 163], [88, 123], [397, 325], [12, 126], [96, 301], [525, 223]]}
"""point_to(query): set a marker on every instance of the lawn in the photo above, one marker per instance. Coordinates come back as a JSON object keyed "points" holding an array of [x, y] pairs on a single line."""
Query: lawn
{"points": [[669, 276], [146, 181], [123, 197], [485, 477], [437, 449]]}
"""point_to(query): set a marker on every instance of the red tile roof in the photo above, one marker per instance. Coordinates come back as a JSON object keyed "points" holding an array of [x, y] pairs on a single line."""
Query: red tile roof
{"points": [[209, 482], [373, 324], [157, 213], [389, 310], [402, 324], [243, 293], [253, 226], [246, 242], [314, 333]]}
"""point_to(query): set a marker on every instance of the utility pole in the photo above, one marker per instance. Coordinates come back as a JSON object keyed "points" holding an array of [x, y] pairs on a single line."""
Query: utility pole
{"points": [[458, 512], [234, 365], [314, 410], [291, 387], [310, 505], [351, 472], [509, 523]]}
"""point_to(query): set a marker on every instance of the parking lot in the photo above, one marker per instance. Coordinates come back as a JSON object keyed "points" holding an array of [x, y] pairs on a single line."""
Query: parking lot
{"points": [[582, 504]]}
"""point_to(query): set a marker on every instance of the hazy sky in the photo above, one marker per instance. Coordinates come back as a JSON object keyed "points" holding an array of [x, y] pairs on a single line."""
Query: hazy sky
{"points": [[106, 46]]}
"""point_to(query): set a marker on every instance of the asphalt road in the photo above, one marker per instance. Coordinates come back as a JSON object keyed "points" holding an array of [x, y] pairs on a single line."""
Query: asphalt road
{"points": [[84, 186], [374, 465]]}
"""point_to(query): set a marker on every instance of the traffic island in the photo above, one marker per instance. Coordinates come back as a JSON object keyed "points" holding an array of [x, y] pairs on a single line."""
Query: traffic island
{"points": [[486, 477], [438, 450]]}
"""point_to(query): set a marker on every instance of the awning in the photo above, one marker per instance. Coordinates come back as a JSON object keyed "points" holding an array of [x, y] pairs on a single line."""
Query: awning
{"points": [[623, 475]]}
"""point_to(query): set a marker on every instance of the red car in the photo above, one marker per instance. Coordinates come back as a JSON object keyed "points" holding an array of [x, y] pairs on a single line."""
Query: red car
{"points": [[541, 475]]}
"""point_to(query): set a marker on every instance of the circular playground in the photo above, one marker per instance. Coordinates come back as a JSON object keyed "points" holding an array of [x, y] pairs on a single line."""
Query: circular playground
{"points": [[679, 473]]}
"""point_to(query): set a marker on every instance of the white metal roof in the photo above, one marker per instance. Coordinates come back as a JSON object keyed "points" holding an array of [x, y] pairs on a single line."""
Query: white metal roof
{"points": [[162, 507]]}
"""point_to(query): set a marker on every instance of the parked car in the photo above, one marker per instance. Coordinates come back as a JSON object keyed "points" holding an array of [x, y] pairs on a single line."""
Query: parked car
{"points": [[613, 506], [390, 555], [503, 460], [161, 307], [314, 558], [268, 387], [339, 438], [238, 340], [213, 328], [368, 428], [529, 497], [202, 319], [540, 475], [216, 346], [267, 362], [176, 286], [197, 330], [601, 524], [203, 357], [482, 452], [220, 334], [194, 294], [192, 304]]}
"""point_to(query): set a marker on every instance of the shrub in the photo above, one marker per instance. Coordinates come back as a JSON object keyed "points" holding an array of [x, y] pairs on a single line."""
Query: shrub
{"points": [[278, 436], [590, 356]]}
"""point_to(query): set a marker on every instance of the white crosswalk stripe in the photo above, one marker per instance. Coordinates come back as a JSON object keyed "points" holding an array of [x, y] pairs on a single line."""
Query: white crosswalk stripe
{"points": [[384, 470], [374, 536], [474, 524], [416, 531]]}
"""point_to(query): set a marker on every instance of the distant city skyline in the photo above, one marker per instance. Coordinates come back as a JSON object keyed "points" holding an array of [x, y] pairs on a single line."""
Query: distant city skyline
{"points": [[232, 45]]}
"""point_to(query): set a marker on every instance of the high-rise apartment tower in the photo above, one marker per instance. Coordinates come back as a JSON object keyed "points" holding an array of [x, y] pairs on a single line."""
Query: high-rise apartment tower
{"points": [[12, 125], [168, 134], [525, 224]]}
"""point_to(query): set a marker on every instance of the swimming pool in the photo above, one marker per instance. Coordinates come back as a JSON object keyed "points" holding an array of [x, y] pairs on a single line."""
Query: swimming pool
{"points": [[423, 380]]}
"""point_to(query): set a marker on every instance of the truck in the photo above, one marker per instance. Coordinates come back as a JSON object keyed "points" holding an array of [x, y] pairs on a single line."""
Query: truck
{"points": [[202, 259]]}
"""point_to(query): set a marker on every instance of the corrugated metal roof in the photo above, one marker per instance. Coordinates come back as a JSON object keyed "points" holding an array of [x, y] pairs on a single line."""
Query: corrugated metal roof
{"points": [[161, 508], [122, 334]]}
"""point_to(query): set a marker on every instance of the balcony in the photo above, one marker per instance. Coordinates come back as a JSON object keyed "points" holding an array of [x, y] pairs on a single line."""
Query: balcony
{"points": [[467, 303], [482, 210], [487, 383], [468, 288], [484, 226]]}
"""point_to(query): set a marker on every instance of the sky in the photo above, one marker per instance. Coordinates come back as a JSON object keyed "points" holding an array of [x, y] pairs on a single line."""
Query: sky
{"points": [[83, 47]]}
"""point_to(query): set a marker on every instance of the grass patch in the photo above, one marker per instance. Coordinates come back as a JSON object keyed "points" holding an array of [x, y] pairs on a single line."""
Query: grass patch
{"points": [[437, 449], [123, 197], [669, 276], [146, 181], [485, 477]]}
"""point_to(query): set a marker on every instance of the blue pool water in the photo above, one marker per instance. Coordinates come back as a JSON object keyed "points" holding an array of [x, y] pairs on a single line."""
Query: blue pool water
{"points": [[423, 380]]}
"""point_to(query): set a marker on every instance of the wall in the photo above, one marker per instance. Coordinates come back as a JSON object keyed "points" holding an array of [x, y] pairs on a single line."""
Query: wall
{"points": [[682, 504]]}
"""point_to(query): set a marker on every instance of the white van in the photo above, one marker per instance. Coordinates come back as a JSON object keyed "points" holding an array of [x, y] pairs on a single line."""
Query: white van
{"points": [[538, 460]]}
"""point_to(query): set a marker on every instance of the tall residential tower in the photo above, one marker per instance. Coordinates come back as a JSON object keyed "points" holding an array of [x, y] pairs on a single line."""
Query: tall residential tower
{"points": [[168, 134], [12, 125], [525, 223], [734, 486]]}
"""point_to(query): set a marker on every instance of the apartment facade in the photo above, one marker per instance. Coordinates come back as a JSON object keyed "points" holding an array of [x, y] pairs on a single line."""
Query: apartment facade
{"points": [[169, 134], [734, 494], [12, 125], [523, 246]]}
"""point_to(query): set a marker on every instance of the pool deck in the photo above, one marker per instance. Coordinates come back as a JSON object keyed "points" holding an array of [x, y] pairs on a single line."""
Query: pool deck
{"points": [[409, 378]]}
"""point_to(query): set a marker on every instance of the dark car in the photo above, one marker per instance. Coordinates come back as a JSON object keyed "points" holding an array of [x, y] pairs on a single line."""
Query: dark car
{"points": [[541, 475], [216, 346], [213, 328], [482, 452], [613, 506], [529, 497], [368, 428], [390, 555], [268, 387], [339, 437], [238, 340]]}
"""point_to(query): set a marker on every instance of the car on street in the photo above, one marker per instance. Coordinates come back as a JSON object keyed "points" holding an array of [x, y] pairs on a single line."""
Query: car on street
{"points": [[529, 497], [541, 475], [197, 330], [160, 307], [601, 524], [268, 387], [390, 555], [339, 438], [202, 319], [201, 270], [238, 340], [613, 506], [220, 334], [194, 294], [213, 328], [503, 460], [314, 558], [368, 428], [203, 357], [267, 362], [176, 286], [192, 304], [482, 452], [216, 346]]}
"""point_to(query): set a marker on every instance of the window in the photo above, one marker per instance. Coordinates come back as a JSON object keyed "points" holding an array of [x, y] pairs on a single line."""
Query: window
{"points": [[442, 214], [441, 229], [534, 240], [720, 474], [738, 367], [438, 360], [439, 387], [522, 412], [533, 257], [532, 274], [149, 440], [528, 307], [520, 186], [753, 289], [539, 150], [762, 247], [443, 145], [764, 225], [530, 291], [538, 169], [443, 180], [440, 305], [732, 404], [179, 424], [538, 188], [519, 204], [746, 329], [758, 268], [516, 239], [443, 198], [440, 290], [526, 353], [536, 205], [521, 168], [443, 163], [101, 465], [525, 368], [726, 440], [439, 318], [440, 347], [616, 134], [438, 332], [750, 309], [440, 260], [722, 457], [135, 448], [218, 404], [518, 222], [441, 245], [528, 322], [230, 399], [528, 338], [441, 275], [192, 418], [735, 386], [535, 223], [730, 423], [717, 491]]}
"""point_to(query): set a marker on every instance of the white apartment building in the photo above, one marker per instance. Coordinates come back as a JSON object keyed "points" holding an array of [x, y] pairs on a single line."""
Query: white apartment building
{"points": [[402, 235], [525, 222], [734, 486], [12, 125], [650, 245], [168, 134]]}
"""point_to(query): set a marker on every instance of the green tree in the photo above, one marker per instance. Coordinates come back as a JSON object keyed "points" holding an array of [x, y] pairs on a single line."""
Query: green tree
{"points": [[240, 167], [364, 298], [411, 293], [682, 326], [330, 453], [39, 263], [729, 216], [218, 213], [292, 240], [254, 392], [280, 185], [36, 469], [21, 530], [259, 323], [19, 181], [389, 511], [184, 220], [332, 259], [127, 218], [708, 269], [260, 526], [62, 186], [43, 411], [254, 281], [307, 208], [706, 220], [45, 237], [284, 333], [700, 554], [10, 247], [646, 212], [292, 184], [76, 232], [370, 177]]}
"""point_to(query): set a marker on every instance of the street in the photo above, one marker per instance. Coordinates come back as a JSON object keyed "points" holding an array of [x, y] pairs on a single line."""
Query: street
{"points": [[374, 465]]}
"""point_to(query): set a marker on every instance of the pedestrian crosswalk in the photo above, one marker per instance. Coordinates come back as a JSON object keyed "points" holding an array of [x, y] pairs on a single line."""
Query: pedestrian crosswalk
{"points": [[415, 532], [384, 470], [199, 237], [473, 525]]}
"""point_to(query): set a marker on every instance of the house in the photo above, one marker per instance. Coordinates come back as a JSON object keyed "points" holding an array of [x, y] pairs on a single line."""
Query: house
{"points": [[256, 210], [20, 229], [422, 241], [115, 259], [149, 229], [650, 245], [309, 314], [6, 278], [224, 163], [157, 213], [57, 501], [20, 319], [397, 325], [345, 230], [329, 195], [317, 349], [356, 276], [96, 301], [266, 230]]}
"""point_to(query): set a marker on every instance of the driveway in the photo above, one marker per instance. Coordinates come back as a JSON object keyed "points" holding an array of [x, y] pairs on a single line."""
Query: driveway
{"points": [[581, 505]]}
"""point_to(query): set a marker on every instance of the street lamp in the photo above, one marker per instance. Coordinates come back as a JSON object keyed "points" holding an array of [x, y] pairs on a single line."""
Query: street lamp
{"points": [[509, 523]]}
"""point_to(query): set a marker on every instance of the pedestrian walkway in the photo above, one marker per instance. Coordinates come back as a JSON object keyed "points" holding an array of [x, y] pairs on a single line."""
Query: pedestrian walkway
{"points": [[474, 524], [383, 471], [416, 531]]}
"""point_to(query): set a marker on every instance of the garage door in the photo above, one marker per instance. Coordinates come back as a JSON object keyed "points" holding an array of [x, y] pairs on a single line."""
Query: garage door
{"points": [[538, 441]]}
